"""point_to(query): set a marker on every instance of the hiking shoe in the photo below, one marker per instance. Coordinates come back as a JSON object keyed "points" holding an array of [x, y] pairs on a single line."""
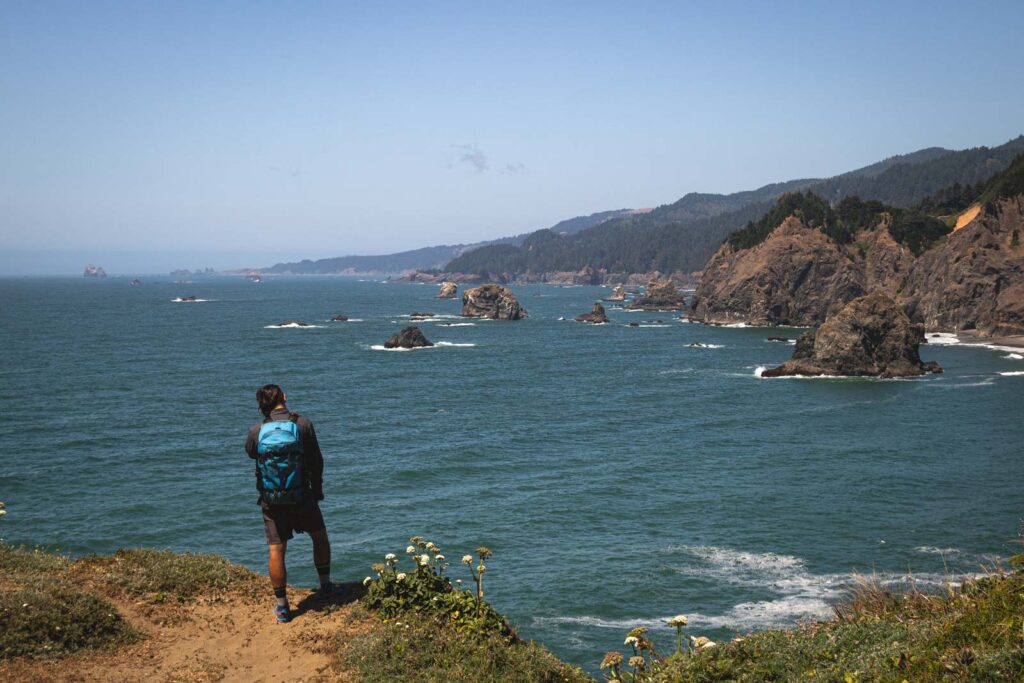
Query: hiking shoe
{"points": [[283, 614], [327, 588]]}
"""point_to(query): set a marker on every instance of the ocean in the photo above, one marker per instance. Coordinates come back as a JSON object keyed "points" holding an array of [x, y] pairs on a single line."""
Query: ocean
{"points": [[619, 475]]}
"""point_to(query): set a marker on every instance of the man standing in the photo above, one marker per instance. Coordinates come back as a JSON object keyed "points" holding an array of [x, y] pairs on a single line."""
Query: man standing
{"points": [[289, 477]]}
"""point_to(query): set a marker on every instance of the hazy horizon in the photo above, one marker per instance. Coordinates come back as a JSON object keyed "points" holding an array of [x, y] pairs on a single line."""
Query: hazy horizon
{"points": [[144, 138]]}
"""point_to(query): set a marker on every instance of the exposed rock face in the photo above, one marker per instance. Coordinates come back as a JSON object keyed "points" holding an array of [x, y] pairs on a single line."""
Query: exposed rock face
{"points": [[417, 315], [409, 338], [618, 294], [596, 316], [339, 318], [975, 280], [491, 301], [659, 295], [797, 276], [448, 290], [870, 337], [94, 271]]}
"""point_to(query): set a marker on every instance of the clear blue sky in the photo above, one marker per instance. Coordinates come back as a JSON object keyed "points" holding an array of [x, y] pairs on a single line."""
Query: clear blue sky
{"points": [[147, 135]]}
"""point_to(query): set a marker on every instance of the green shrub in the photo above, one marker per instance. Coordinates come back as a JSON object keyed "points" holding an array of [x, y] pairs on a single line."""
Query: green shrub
{"points": [[424, 589], [423, 648], [19, 560], [48, 617]]}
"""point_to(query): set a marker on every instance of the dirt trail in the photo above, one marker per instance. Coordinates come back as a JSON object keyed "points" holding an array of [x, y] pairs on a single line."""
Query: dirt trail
{"points": [[231, 639]]}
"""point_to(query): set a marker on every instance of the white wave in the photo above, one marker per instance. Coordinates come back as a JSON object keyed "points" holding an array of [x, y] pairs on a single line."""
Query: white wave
{"points": [[350, 320], [430, 318], [457, 324], [736, 325], [704, 346], [942, 338], [801, 594], [653, 325], [1014, 373], [1013, 356], [681, 371], [932, 550], [987, 382], [293, 326], [179, 300], [440, 344]]}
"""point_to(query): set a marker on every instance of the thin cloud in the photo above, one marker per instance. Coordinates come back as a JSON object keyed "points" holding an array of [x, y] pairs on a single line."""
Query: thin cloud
{"points": [[513, 169], [474, 156]]}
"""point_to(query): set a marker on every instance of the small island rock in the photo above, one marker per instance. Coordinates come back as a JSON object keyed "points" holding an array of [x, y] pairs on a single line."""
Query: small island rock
{"points": [[659, 295], [491, 301], [339, 318], [448, 290], [618, 294], [409, 338], [94, 271], [595, 317], [870, 337]]}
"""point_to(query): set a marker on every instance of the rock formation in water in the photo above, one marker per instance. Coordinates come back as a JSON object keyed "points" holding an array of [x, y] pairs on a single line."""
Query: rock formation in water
{"points": [[417, 315], [974, 281], [491, 301], [409, 338], [797, 276], [595, 317], [94, 271], [870, 337], [618, 294], [339, 318], [659, 295], [448, 290]]}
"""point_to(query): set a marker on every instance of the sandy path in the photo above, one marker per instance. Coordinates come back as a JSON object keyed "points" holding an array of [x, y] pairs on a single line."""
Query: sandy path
{"points": [[227, 640]]}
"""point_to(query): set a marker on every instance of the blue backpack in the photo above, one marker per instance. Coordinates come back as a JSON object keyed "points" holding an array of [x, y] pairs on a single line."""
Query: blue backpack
{"points": [[279, 463]]}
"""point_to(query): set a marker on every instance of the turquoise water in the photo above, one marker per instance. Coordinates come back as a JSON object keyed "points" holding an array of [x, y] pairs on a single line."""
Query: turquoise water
{"points": [[620, 476]]}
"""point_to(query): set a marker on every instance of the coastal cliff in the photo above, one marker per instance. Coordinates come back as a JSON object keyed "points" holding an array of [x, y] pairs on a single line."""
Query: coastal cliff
{"points": [[146, 614]]}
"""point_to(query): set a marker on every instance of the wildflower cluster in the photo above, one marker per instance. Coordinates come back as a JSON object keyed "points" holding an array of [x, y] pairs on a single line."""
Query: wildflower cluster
{"points": [[645, 663], [424, 588]]}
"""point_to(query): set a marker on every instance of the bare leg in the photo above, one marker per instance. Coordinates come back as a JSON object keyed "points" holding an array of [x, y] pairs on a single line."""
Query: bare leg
{"points": [[278, 572], [321, 548]]}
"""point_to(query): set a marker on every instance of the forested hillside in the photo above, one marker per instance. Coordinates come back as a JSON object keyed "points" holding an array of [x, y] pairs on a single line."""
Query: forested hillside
{"points": [[428, 258], [683, 235]]}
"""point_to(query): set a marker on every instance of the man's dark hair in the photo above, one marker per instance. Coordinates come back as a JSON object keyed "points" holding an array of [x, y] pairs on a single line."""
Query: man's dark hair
{"points": [[268, 397]]}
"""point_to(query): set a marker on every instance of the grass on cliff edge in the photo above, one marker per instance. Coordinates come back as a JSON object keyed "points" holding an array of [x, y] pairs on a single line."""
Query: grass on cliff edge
{"points": [[975, 633], [425, 649], [51, 605]]}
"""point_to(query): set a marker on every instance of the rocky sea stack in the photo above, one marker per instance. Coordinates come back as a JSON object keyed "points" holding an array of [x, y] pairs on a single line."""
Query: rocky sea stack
{"points": [[448, 290], [94, 271], [659, 295], [870, 337], [409, 338], [595, 317], [618, 294], [491, 301]]}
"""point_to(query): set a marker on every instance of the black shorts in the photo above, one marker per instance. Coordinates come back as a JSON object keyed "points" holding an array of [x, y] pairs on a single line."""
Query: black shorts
{"points": [[279, 523]]}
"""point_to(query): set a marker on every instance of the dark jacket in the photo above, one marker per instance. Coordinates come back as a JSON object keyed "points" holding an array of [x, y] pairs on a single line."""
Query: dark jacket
{"points": [[314, 459]]}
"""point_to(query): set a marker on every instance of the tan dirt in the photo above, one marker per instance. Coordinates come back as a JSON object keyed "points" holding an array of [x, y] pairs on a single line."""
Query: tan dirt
{"points": [[967, 216], [231, 639]]}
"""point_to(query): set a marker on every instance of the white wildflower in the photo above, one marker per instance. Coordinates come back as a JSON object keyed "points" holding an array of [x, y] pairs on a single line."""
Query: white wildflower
{"points": [[400, 576], [411, 550], [390, 557], [467, 559], [424, 559], [630, 640], [440, 558], [367, 581], [678, 620]]}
